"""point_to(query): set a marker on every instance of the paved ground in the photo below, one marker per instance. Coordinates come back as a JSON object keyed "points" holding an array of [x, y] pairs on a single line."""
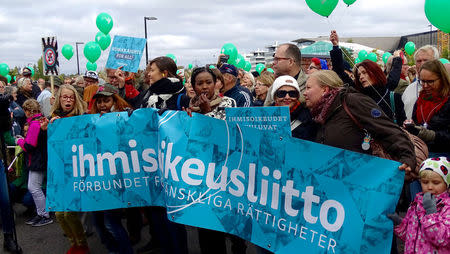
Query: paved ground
{"points": [[49, 239]]}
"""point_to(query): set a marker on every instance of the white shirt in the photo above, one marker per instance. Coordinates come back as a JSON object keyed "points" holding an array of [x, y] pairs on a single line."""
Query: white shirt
{"points": [[409, 98]]}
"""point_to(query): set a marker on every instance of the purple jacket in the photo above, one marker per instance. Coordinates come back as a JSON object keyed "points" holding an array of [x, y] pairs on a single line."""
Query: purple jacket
{"points": [[424, 233]]}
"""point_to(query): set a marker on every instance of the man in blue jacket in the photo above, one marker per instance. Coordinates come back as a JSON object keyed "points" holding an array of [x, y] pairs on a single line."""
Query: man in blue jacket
{"points": [[232, 89]]}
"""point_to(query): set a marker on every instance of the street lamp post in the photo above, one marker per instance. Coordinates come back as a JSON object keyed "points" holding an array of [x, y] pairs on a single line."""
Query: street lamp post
{"points": [[78, 60], [146, 43]]}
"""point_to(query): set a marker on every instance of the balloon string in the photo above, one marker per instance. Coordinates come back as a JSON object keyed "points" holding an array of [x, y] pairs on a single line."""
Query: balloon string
{"points": [[330, 23]]}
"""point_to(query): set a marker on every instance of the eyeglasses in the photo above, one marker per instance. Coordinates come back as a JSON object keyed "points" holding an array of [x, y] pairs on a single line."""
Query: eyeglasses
{"points": [[277, 59], [312, 67], [283, 93], [67, 98], [427, 82]]}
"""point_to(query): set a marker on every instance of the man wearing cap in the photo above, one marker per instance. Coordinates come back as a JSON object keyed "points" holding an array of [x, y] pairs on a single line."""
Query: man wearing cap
{"points": [[44, 98], [231, 88], [90, 78]]}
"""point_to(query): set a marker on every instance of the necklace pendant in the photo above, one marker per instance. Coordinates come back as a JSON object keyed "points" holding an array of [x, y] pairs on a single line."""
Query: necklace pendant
{"points": [[425, 125], [366, 143]]}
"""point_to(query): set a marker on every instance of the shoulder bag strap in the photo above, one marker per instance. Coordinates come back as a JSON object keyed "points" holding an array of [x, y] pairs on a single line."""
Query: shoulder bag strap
{"points": [[347, 110]]}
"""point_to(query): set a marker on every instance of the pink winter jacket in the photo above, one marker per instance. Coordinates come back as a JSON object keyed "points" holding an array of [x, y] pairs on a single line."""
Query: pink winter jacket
{"points": [[424, 233]]}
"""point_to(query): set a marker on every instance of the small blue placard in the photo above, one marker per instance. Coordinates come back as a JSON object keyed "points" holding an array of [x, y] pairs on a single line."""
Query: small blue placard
{"points": [[127, 52], [273, 119]]}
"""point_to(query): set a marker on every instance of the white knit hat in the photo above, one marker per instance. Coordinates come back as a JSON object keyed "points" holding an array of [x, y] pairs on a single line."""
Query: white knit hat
{"points": [[440, 165], [285, 80]]}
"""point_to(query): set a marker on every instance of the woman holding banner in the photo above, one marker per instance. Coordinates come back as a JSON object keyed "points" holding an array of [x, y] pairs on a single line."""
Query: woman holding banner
{"points": [[68, 103], [109, 223], [166, 92], [349, 120], [207, 102]]}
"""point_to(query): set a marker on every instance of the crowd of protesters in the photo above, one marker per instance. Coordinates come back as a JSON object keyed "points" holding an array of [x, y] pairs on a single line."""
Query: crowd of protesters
{"points": [[330, 103]]}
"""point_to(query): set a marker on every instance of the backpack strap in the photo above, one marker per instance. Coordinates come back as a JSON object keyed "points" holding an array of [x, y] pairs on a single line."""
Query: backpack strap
{"points": [[392, 100]]}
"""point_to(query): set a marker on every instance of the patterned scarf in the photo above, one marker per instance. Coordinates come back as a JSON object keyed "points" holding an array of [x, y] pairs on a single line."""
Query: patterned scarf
{"points": [[195, 103], [320, 111], [428, 106]]}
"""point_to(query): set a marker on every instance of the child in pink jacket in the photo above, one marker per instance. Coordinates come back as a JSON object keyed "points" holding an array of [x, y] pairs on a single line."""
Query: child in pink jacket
{"points": [[426, 226]]}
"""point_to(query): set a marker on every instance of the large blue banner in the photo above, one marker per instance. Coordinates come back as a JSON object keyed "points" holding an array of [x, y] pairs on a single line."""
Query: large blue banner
{"points": [[281, 193]]}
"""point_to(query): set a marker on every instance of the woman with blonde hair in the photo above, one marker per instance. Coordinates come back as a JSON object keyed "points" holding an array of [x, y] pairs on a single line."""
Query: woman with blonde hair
{"points": [[336, 109], [68, 103], [262, 85], [248, 81]]}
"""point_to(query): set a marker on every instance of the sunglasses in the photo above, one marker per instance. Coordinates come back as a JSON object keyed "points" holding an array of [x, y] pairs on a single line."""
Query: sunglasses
{"points": [[282, 93]]}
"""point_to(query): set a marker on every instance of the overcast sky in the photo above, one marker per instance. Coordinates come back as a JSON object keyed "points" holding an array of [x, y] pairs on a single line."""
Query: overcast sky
{"points": [[193, 30]]}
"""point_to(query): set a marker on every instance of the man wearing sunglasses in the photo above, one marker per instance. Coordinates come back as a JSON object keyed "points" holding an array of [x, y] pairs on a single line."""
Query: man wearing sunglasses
{"points": [[286, 92], [287, 60]]}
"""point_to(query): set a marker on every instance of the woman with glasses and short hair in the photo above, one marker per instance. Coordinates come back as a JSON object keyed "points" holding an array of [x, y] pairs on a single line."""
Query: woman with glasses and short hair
{"points": [[286, 92], [263, 83], [431, 115]]}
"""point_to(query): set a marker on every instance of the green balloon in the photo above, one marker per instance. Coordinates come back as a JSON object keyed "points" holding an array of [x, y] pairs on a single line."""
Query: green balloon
{"points": [[104, 22], [410, 47], [174, 58], [104, 40], [372, 57], [349, 2], [362, 55], [67, 51], [260, 67], [231, 61], [270, 70], [386, 56], [91, 66], [32, 70], [444, 60], [190, 66], [230, 50], [322, 7], [212, 66], [8, 77], [437, 13], [4, 69], [239, 62], [92, 51], [357, 60], [248, 66]]}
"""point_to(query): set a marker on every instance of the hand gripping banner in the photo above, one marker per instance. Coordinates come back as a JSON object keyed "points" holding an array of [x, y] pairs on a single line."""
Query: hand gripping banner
{"points": [[281, 193]]}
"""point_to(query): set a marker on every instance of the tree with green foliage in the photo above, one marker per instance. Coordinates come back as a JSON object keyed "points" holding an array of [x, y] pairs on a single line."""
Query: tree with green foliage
{"points": [[348, 55], [444, 53]]}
